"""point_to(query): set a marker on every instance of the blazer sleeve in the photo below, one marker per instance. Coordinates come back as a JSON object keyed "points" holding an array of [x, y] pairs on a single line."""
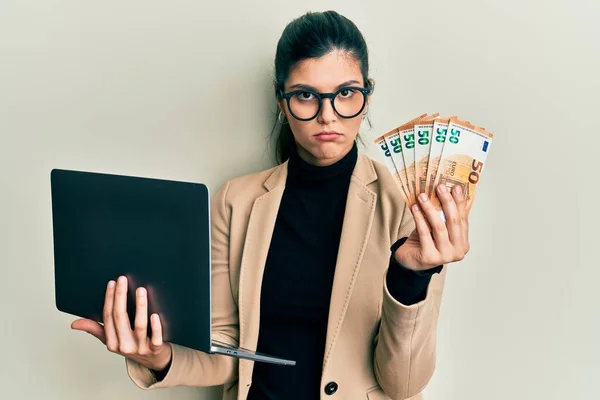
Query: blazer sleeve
{"points": [[194, 368], [405, 346]]}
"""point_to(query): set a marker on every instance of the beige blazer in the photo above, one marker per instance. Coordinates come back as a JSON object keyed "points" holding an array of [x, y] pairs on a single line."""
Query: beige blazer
{"points": [[376, 348]]}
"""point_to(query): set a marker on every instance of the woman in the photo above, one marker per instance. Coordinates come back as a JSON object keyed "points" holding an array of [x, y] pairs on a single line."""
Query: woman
{"points": [[317, 259]]}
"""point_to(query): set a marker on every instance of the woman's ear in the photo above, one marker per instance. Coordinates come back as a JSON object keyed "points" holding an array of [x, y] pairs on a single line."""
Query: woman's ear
{"points": [[371, 85], [281, 114], [281, 104]]}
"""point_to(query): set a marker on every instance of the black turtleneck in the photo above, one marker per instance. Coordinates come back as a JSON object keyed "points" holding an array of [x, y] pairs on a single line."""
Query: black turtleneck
{"points": [[298, 278]]}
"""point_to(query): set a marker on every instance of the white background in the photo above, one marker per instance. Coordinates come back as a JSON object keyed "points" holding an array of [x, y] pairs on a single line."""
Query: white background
{"points": [[182, 90]]}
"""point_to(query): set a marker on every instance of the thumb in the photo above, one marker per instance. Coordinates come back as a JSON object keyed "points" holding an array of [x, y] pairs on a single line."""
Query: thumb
{"points": [[91, 327]]}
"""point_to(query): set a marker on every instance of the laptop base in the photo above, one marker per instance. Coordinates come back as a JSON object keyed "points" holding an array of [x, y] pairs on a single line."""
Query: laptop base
{"points": [[228, 350]]}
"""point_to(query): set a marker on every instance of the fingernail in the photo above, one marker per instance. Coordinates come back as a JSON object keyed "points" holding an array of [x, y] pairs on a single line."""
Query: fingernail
{"points": [[111, 284], [141, 291], [458, 190], [121, 279], [416, 208], [423, 197], [442, 189]]}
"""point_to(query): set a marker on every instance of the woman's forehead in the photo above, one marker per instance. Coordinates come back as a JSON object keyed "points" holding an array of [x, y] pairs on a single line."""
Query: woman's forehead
{"points": [[326, 73]]}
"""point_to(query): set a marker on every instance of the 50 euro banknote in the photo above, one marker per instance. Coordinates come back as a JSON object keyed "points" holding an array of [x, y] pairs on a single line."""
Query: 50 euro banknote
{"points": [[391, 147], [462, 161], [434, 153], [429, 150], [426, 132], [408, 142], [386, 148]]}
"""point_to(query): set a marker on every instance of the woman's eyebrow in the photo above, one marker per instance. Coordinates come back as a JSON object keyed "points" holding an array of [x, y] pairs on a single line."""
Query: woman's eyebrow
{"points": [[308, 87]]}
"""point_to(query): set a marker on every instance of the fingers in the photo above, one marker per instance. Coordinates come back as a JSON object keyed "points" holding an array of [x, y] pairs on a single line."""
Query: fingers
{"points": [[450, 236], [423, 230], [141, 318], [121, 318], [461, 204], [116, 332], [112, 342], [157, 339], [453, 218], [91, 327], [438, 227]]}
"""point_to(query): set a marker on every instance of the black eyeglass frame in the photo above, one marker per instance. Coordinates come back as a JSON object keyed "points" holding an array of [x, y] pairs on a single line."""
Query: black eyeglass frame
{"points": [[320, 96]]}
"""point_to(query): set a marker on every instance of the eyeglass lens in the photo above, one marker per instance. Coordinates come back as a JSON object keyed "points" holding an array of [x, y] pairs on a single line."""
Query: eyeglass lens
{"points": [[347, 103]]}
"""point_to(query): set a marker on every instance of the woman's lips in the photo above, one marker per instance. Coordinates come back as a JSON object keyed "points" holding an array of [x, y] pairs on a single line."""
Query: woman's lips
{"points": [[328, 136]]}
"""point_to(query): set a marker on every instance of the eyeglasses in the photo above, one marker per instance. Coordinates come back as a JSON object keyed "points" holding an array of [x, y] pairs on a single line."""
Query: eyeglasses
{"points": [[347, 102]]}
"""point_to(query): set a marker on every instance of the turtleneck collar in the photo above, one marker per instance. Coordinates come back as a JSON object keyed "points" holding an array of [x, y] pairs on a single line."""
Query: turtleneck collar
{"points": [[299, 171]]}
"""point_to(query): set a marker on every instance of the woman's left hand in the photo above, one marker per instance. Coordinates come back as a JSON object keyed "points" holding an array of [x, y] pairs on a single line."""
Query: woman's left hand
{"points": [[435, 242]]}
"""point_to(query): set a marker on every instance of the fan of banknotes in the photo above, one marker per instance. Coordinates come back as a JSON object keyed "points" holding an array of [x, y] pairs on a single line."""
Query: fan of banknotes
{"points": [[430, 150]]}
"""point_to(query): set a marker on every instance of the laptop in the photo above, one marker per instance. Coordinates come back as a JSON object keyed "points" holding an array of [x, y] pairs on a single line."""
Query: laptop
{"points": [[155, 232]]}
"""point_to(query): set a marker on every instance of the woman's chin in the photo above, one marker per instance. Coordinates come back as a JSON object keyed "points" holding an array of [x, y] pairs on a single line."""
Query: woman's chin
{"points": [[329, 153]]}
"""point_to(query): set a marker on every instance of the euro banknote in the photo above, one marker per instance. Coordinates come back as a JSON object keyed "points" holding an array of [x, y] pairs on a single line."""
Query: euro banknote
{"points": [[384, 147], [439, 131], [389, 144], [408, 141], [430, 150], [463, 159]]}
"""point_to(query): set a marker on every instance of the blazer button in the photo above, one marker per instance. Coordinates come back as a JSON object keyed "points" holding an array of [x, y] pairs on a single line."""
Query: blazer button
{"points": [[331, 388]]}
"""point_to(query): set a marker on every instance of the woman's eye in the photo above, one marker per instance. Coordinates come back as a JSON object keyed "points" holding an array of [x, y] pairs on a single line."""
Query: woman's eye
{"points": [[305, 96], [346, 92]]}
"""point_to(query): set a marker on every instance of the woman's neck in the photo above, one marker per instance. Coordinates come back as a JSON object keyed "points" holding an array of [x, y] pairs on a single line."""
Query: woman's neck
{"points": [[300, 170]]}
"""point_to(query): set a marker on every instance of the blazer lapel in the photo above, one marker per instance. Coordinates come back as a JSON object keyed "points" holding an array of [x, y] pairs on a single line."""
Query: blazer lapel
{"points": [[360, 208], [256, 247]]}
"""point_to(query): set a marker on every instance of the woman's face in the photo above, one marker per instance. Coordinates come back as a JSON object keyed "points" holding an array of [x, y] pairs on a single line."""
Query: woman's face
{"points": [[327, 138]]}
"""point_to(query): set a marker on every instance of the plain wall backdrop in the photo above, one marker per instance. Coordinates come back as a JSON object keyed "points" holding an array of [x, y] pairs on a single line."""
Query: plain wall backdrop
{"points": [[182, 90]]}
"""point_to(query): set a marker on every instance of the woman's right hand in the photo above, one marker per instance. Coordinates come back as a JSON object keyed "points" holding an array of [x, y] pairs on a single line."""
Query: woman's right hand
{"points": [[116, 332]]}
